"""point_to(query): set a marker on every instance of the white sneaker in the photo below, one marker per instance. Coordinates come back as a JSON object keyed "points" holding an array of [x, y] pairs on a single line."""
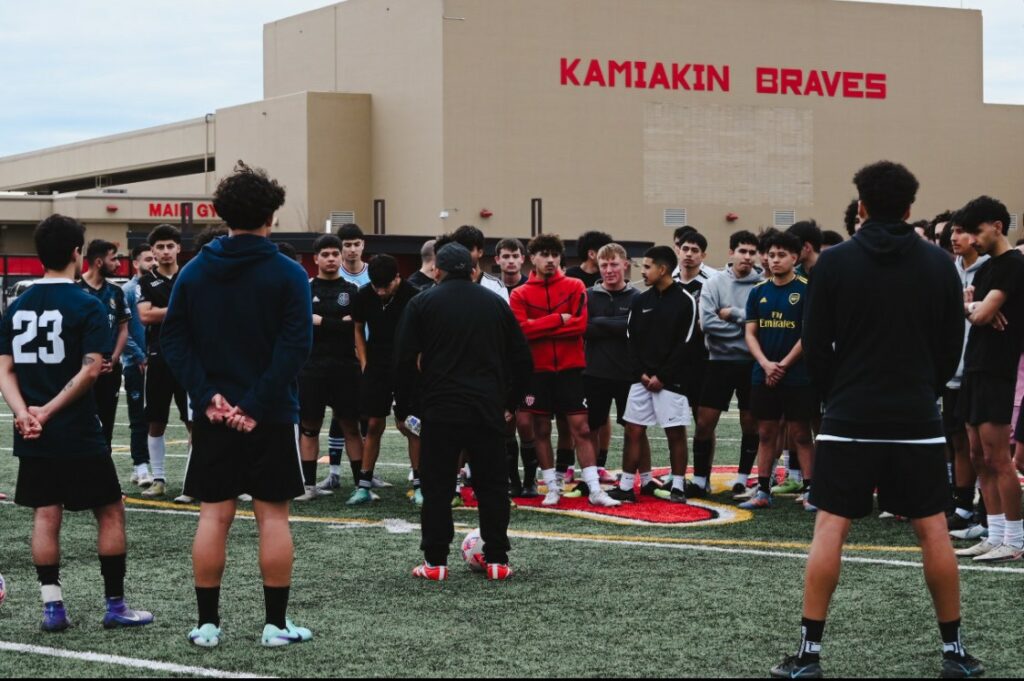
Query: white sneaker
{"points": [[973, 532], [1002, 554], [552, 497], [377, 483], [310, 494], [184, 499], [601, 498], [144, 481], [245, 498], [746, 496], [156, 490], [979, 549]]}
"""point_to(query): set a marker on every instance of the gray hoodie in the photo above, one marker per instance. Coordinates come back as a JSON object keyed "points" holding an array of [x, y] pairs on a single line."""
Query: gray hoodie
{"points": [[726, 340], [967, 278]]}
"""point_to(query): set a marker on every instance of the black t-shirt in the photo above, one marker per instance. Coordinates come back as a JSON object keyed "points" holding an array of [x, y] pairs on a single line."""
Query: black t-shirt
{"points": [[420, 281], [588, 279], [381, 320], [522, 280], [155, 289], [998, 352], [334, 340], [114, 303]]}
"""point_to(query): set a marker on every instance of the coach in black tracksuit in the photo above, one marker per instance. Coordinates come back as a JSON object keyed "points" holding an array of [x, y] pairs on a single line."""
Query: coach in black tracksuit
{"points": [[474, 364]]}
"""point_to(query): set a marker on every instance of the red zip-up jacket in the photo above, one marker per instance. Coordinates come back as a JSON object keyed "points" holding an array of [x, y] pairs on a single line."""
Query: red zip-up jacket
{"points": [[538, 305]]}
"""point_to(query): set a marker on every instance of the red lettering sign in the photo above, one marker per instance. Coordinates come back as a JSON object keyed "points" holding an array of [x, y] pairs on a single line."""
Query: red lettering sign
{"points": [[854, 84], [173, 210]]}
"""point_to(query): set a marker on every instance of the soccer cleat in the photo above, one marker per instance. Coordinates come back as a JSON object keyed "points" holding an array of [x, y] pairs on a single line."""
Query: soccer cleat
{"points": [[675, 495], [530, 491], [789, 486], [55, 618], [1001, 554], [979, 549], [577, 492], [651, 489], [966, 667], [605, 478], [622, 495], [553, 496], [311, 494], [119, 615], [955, 522], [747, 494], [570, 476], [377, 483], [417, 497], [360, 497], [184, 499], [332, 483], [498, 572], [792, 668], [157, 489], [738, 488], [976, 531], [800, 498], [515, 490], [757, 502], [291, 634], [693, 491], [809, 507], [431, 574], [206, 636], [600, 498], [458, 501]]}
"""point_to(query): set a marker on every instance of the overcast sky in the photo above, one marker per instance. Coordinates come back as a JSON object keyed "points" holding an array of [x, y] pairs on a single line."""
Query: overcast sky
{"points": [[77, 69]]}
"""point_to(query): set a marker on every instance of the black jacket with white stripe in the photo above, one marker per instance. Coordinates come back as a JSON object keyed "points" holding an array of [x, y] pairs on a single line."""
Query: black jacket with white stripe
{"points": [[662, 336]]}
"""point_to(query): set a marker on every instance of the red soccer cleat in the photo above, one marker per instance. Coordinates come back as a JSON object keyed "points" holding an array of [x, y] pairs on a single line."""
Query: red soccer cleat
{"points": [[432, 574], [497, 572]]}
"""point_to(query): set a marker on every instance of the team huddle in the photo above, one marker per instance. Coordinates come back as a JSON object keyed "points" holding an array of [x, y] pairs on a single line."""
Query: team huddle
{"points": [[836, 352]]}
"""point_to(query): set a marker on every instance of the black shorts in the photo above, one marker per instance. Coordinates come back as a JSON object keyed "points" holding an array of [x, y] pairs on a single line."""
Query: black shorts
{"points": [[986, 399], [225, 463], [77, 484], [377, 395], [556, 392], [722, 379], [161, 388], [951, 423], [336, 387], [793, 403], [600, 393], [911, 479]]}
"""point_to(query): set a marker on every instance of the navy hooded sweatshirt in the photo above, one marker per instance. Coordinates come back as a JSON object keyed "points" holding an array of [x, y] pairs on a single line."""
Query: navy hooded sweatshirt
{"points": [[240, 323]]}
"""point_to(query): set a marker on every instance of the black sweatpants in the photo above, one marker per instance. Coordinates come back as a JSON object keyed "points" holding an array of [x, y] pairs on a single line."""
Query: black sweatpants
{"points": [[106, 390], [135, 388], [439, 462]]}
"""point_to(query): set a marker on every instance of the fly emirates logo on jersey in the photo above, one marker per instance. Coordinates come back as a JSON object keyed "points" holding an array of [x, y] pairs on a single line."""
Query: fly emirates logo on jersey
{"points": [[580, 72]]}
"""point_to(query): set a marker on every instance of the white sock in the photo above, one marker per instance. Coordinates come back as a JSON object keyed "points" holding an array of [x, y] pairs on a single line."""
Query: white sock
{"points": [[743, 479], [1014, 534], [550, 479], [51, 593], [627, 482], [592, 478], [678, 482], [645, 478], [336, 470], [700, 481], [997, 529], [142, 470], [796, 476], [785, 458], [949, 472], [157, 455], [964, 513]]}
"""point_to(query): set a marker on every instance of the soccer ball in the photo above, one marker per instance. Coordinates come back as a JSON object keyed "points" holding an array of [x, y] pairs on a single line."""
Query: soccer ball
{"points": [[473, 551], [3, 589]]}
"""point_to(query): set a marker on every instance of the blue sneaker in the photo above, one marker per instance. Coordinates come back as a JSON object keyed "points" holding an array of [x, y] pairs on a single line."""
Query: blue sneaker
{"points": [[120, 615], [55, 618], [360, 497], [206, 636], [291, 634]]}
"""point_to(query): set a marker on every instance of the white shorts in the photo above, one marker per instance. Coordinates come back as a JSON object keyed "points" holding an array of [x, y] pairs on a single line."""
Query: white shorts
{"points": [[666, 409]]}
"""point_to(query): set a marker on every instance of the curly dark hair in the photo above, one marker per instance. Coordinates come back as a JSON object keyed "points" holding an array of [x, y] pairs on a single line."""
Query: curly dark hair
{"points": [[207, 235], [831, 238], [743, 237], [326, 241], [851, 217], [982, 210], [785, 240], [809, 233], [164, 233], [887, 190], [247, 199], [591, 241], [469, 237], [762, 239], [552, 243]]}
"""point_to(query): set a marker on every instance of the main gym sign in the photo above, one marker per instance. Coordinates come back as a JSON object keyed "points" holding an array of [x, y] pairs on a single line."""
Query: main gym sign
{"points": [[769, 80]]}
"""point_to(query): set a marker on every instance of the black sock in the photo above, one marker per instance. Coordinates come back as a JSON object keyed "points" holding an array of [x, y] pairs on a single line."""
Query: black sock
{"points": [[49, 575], [602, 458], [952, 646], [357, 467], [982, 511], [702, 453], [208, 600], [794, 462], [764, 484], [415, 478], [512, 461], [309, 472], [528, 453], [965, 498], [563, 459], [113, 569], [334, 455], [811, 633], [276, 600], [807, 485], [748, 454], [366, 479]]}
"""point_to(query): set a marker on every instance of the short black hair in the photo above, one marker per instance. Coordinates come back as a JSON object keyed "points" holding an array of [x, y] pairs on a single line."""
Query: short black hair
{"points": [[944, 216], [288, 250], [442, 241], [469, 237], [763, 237], [207, 235], [693, 237], [326, 241], [98, 248], [887, 190], [551, 243], [742, 237], [247, 199], [680, 231], [591, 241], [139, 250], [925, 227], [164, 233], [982, 210], [383, 270], [851, 217], [350, 232], [512, 245], [663, 255], [831, 238], [809, 233], [788, 241], [56, 238]]}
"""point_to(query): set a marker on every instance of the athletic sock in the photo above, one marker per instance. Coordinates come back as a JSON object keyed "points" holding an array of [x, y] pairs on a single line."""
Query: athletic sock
{"points": [[997, 529], [811, 633], [965, 502], [952, 645], [645, 478], [208, 600], [49, 582], [157, 456], [550, 478], [792, 460], [142, 470], [366, 479], [336, 469], [113, 569], [764, 484], [592, 478], [949, 472], [743, 478], [627, 482], [309, 472], [528, 453], [335, 443], [1014, 533], [807, 486], [602, 458], [512, 461], [748, 455], [276, 600], [357, 468], [679, 482], [796, 475], [415, 478], [702, 453], [564, 460], [700, 481]]}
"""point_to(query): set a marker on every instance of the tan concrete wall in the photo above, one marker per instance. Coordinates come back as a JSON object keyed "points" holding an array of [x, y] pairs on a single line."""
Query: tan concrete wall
{"points": [[185, 184], [340, 157]]}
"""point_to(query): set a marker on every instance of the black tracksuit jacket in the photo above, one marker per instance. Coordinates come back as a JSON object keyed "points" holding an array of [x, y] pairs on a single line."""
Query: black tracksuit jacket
{"points": [[661, 336]]}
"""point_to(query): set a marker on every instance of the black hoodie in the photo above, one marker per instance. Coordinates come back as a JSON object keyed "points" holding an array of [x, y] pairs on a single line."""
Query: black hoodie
{"points": [[883, 328]]}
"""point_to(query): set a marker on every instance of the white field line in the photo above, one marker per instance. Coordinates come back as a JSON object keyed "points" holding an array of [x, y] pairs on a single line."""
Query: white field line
{"points": [[131, 662]]}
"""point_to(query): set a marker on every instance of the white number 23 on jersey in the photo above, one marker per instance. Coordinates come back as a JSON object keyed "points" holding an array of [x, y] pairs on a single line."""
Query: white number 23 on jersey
{"points": [[28, 325]]}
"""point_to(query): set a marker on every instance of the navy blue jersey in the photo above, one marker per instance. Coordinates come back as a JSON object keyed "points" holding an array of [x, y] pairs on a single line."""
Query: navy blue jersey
{"points": [[48, 330], [778, 312], [113, 300]]}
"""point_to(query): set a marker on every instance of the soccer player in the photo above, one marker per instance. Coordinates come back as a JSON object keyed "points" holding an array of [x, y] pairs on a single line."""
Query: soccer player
{"points": [[852, 219], [587, 246], [811, 240], [995, 308], [723, 309], [552, 310], [691, 258], [472, 239], [134, 362], [237, 333], [330, 377], [466, 350], [882, 430], [161, 386], [423, 278], [378, 308], [830, 238], [781, 389], [53, 341], [509, 256], [661, 344]]}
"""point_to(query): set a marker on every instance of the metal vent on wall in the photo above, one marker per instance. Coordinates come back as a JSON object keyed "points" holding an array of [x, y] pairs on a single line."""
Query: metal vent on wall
{"points": [[339, 218], [675, 217], [784, 218], [1013, 222]]}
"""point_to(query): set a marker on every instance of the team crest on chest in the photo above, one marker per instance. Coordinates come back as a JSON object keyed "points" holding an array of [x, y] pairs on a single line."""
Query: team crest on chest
{"points": [[343, 299], [530, 400], [794, 298]]}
